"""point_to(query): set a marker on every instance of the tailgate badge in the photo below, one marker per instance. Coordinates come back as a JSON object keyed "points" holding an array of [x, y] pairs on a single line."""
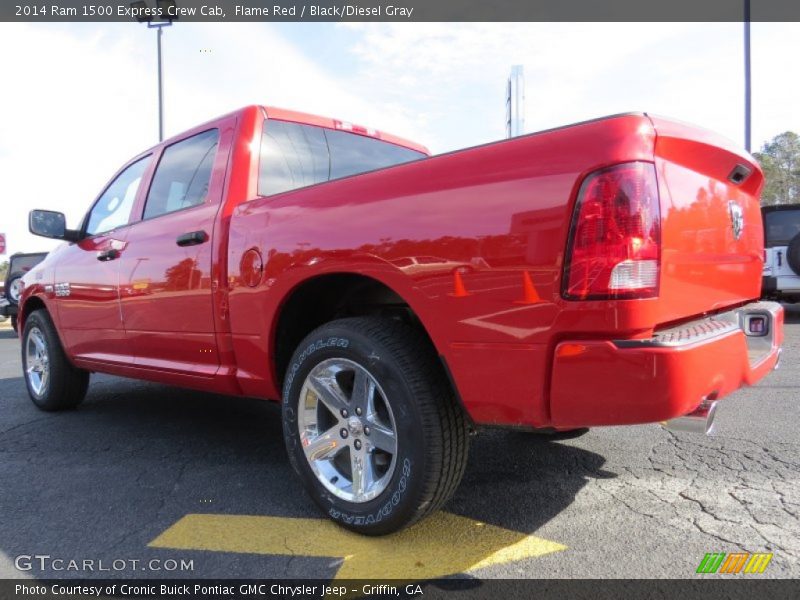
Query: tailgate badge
{"points": [[737, 219]]}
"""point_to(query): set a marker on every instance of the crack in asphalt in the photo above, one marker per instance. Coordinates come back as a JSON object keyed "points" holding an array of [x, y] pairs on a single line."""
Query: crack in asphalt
{"points": [[729, 489], [5, 432], [656, 489]]}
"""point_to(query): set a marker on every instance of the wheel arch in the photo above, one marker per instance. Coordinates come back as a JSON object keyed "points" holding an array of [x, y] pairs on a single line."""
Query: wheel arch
{"points": [[27, 306], [329, 296], [34, 302]]}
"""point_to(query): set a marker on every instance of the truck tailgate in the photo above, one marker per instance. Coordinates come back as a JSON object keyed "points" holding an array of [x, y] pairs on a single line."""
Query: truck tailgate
{"points": [[712, 236]]}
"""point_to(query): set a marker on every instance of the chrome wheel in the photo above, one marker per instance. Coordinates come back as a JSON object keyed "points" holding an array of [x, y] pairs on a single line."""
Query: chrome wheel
{"points": [[347, 430], [37, 361]]}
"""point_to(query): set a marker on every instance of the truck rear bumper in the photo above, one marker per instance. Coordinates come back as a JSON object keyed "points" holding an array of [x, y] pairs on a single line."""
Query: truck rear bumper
{"points": [[621, 382]]}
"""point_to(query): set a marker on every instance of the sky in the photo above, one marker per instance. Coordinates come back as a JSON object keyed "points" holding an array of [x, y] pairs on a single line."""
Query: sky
{"points": [[78, 100]]}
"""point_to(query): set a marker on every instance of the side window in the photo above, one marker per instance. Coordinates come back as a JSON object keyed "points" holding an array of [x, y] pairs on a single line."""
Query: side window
{"points": [[352, 153], [113, 208], [782, 226], [292, 156], [183, 175]]}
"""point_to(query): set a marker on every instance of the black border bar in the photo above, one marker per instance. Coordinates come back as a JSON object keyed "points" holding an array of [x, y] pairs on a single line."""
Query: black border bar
{"points": [[411, 10], [708, 587]]}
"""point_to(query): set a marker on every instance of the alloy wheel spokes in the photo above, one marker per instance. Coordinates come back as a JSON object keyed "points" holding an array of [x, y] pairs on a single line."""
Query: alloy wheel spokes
{"points": [[363, 392], [323, 446], [37, 361], [342, 407], [362, 471], [327, 390], [382, 438]]}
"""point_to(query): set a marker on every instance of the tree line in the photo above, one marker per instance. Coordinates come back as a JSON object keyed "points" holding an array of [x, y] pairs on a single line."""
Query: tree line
{"points": [[780, 159]]}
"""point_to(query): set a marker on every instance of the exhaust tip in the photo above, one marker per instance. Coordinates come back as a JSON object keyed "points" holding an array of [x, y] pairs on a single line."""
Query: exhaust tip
{"points": [[700, 420]]}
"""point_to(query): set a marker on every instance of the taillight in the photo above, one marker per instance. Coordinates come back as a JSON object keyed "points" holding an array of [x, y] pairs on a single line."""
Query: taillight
{"points": [[345, 126], [614, 246]]}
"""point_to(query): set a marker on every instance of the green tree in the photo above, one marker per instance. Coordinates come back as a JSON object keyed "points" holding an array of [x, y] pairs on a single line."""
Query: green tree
{"points": [[780, 159], [3, 270]]}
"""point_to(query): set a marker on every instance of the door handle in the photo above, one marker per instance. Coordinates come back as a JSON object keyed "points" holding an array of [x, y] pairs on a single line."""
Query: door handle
{"points": [[193, 238], [106, 255]]}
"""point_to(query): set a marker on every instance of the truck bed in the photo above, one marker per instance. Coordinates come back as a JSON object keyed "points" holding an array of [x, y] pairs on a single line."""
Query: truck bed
{"points": [[499, 214]]}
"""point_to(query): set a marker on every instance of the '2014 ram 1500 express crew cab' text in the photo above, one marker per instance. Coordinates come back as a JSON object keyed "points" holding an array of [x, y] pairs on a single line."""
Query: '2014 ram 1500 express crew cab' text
{"points": [[603, 273]]}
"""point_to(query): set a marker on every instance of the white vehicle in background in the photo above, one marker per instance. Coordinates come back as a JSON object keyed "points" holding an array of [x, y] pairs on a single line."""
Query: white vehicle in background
{"points": [[781, 278]]}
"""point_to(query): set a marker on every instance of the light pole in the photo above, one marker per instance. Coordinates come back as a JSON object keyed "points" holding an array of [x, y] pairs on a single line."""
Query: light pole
{"points": [[747, 108], [168, 15]]}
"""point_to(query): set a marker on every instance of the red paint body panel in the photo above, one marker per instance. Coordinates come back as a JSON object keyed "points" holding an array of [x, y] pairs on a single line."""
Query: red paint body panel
{"points": [[498, 215], [166, 291], [607, 385], [89, 318], [705, 267]]}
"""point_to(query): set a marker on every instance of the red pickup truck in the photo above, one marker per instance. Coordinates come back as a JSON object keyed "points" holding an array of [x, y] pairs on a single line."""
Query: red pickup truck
{"points": [[604, 273]]}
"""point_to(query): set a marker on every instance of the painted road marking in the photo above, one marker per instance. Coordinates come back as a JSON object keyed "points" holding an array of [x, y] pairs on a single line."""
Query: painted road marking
{"points": [[444, 544]]}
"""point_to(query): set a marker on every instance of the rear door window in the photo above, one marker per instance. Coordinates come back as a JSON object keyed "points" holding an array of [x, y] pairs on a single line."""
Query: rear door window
{"points": [[352, 154], [183, 175], [292, 156], [295, 155], [781, 226]]}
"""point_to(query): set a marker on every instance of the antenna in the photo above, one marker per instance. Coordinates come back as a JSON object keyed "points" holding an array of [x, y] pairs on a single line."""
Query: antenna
{"points": [[515, 102]]}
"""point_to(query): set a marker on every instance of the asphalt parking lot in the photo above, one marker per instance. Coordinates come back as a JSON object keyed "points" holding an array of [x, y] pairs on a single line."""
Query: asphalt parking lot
{"points": [[143, 472]]}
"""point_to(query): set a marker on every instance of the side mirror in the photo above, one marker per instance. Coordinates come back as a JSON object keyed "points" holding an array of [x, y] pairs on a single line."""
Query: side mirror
{"points": [[50, 224]]}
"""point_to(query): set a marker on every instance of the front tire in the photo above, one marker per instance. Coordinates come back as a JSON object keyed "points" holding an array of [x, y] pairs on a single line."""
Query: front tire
{"points": [[53, 382], [371, 424]]}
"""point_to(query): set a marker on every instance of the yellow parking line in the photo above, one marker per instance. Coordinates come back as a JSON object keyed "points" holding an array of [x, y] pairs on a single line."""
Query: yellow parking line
{"points": [[441, 545]]}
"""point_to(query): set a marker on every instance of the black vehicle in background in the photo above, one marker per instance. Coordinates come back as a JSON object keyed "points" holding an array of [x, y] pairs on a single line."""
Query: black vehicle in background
{"points": [[781, 278], [18, 265]]}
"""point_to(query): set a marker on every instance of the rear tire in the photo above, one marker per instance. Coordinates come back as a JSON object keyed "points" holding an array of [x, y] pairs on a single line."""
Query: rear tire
{"points": [[410, 463], [14, 323], [53, 382]]}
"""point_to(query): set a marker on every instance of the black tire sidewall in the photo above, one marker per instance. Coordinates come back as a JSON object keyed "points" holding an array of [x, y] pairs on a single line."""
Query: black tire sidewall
{"points": [[793, 254], [398, 502], [66, 386]]}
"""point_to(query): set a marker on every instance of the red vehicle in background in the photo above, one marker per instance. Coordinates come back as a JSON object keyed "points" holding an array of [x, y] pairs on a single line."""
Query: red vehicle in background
{"points": [[604, 273]]}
